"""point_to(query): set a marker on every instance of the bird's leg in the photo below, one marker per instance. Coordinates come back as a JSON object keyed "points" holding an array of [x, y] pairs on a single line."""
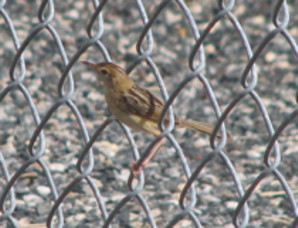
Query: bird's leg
{"points": [[139, 165]]}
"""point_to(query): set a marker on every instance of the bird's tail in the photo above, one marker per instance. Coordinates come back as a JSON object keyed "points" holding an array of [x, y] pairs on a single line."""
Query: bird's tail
{"points": [[205, 128]]}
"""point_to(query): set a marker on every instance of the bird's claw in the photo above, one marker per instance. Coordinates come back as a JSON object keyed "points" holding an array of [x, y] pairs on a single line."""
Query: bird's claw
{"points": [[136, 168]]}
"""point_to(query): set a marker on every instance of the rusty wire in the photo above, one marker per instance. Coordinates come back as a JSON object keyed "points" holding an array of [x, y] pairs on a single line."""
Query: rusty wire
{"points": [[144, 46]]}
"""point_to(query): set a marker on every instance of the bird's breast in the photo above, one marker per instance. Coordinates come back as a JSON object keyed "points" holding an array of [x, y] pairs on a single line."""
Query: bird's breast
{"points": [[113, 104]]}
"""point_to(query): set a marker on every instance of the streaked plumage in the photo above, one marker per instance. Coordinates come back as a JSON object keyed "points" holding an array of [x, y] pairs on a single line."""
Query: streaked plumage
{"points": [[135, 106]]}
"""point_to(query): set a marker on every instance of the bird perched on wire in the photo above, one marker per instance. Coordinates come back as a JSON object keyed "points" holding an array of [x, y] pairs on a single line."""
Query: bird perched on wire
{"points": [[137, 107]]}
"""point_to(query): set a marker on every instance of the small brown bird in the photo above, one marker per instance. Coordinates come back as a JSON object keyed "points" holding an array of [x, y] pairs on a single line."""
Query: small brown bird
{"points": [[137, 107]]}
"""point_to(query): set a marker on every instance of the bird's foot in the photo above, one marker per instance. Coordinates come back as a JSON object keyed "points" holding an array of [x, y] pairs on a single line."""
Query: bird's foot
{"points": [[136, 168]]}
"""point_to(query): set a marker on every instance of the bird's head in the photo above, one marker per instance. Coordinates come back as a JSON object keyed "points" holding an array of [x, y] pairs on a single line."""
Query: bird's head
{"points": [[111, 74]]}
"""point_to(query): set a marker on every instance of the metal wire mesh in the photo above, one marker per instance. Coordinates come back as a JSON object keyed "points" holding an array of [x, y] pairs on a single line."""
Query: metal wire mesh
{"points": [[39, 124]]}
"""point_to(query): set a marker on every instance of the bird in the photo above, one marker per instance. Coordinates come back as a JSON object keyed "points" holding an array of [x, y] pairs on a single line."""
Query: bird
{"points": [[137, 107]]}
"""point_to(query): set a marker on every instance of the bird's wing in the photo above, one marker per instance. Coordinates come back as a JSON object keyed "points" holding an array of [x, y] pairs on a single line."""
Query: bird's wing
{"points": [[141, 102]]}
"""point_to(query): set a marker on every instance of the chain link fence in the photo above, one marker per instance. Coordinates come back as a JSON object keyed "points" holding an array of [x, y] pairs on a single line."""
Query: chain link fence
{"points": [[65, 162]]}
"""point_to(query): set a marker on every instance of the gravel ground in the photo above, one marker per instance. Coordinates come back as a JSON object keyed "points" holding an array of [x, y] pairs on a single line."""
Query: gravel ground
{"points": [[217, 197]]}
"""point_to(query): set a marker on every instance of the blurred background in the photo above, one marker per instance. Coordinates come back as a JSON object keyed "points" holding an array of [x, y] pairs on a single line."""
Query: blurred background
{"points": [[226, 60]]}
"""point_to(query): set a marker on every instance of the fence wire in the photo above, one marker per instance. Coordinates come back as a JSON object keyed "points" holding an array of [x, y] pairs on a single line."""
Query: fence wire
{"points": [[37, 190]]}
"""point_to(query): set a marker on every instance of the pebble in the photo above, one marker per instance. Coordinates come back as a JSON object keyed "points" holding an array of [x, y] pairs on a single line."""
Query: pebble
{"points": [[32, 199], [42, 209], [231, 205], [43, 190], [108, 148], [57, 167]]}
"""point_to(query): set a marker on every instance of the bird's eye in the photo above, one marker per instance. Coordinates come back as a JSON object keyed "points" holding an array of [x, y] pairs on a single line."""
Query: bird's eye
{"points": [[104, 72]]}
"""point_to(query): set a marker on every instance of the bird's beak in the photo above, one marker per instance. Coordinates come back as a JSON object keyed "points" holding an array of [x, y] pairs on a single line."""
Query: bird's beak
{"points": [[89, 64]]}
